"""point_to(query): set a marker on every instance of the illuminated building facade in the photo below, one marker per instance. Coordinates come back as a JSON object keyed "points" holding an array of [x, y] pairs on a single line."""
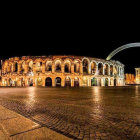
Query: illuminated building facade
{"points": [[130, 79], [61, 71], [137, 75]]}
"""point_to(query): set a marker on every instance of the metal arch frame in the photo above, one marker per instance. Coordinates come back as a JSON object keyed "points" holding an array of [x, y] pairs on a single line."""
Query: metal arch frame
{"points": [[122, 48]]}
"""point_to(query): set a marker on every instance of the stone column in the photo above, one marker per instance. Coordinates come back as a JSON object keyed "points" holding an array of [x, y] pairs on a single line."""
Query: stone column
{"points": [[72, 68], [53, 82], [108, 70], [62, 82], [81, 68], [53, 67], [72, 82], [62, 68], [89, 82], [26, 68], [43, 82], [43, 68], [19, 68]]}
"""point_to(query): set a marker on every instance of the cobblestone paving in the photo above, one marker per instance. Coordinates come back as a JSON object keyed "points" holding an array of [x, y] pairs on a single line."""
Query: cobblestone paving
{"points": [[111, 113]]}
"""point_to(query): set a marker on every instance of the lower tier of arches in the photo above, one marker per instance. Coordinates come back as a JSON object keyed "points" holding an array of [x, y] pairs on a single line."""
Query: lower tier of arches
{"points": [[62, 81]]}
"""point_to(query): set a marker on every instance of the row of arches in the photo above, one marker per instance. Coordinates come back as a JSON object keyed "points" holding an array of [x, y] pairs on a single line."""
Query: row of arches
{"points": [[64, 82], [86, 67]]}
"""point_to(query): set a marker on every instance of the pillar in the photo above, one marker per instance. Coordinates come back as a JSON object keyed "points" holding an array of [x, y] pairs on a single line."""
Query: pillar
{"points": [[43, 68], [81, 68], [72, 68], [72, 82], [62, 82]]}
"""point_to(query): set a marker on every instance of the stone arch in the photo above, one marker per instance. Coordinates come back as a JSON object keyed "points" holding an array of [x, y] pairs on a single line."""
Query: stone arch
{"points": [[93, 65], [67, 66], [85, 63], [106, 82], [58, 81], [58, 66], [48, 67], [94, 81], [30, 81], [111, 70], [106, 69], [48, 82], [39, 81], [77, 66], [67, 82], [76, 82], [100, 68], [30, 68]]}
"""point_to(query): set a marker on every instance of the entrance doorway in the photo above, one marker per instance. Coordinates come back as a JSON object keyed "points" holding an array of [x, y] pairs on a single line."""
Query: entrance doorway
{"points": [[94, 82]]}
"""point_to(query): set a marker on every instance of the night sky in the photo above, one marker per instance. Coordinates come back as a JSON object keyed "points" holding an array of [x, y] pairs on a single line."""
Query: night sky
{"points": [[83, 35]]}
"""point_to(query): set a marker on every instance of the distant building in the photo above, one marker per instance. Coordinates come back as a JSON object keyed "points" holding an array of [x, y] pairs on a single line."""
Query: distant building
{"points": [[130, 79], [137, 75]]}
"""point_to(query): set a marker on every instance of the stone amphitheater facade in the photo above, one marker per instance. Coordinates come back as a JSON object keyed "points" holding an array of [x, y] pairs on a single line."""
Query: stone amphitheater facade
{"points": [[61, 71]]}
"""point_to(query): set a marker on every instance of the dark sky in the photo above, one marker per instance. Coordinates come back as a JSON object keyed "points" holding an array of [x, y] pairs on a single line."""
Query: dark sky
{"points": [[70, 33]]}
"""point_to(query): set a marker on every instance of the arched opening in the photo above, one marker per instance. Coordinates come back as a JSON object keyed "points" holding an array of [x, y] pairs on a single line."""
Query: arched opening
{"points": [[115, 82], [106, 82], [58, 82], [48, 82], [94, 82], [10, 82], [99, 82], [58, 66], [16, 67], [67, 68], [111, 70], [93, 68], [39, 67], [48, 66], [85, 66], [76, 67], [100, 69], [76, 82], [106, 69], [67, 82], [30, 82], [39, 81], [30, 66]]}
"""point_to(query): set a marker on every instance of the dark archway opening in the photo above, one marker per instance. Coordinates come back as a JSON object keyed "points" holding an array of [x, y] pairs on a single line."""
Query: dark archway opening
{"points": [[48, 82], [67, 82]]}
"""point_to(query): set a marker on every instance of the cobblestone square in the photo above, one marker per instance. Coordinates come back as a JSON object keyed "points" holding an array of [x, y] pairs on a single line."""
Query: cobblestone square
{"points": [[106, 113]]}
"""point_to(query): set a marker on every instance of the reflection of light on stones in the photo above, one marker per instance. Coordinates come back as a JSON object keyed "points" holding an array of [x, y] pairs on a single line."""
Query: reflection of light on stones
{"points": [[97, 111], [31, 96]]}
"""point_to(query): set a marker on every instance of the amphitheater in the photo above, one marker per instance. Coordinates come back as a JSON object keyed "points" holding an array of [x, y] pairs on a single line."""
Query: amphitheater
{"points": [[62, 71]]}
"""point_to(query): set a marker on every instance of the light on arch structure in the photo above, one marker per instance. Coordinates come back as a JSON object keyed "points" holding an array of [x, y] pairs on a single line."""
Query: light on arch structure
{"points": [[130, 45]]}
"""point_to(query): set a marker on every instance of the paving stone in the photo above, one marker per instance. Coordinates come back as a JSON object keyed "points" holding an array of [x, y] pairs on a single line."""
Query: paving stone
{"points": [[7, 114], [3, 136], [40, 134], [17, 125]]}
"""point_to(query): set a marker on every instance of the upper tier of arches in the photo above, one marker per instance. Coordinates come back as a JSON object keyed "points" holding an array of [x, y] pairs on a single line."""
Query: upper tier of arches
{"points": [[62, 64]]}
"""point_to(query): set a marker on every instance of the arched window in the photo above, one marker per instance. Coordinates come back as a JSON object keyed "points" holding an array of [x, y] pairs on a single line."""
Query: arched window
{"points": [[58, 66], [30, 66], [106, 69], [38, 66], [67, 68], [48, 66], [111, 70], [16, 67], [85, 66], [100, 69]]}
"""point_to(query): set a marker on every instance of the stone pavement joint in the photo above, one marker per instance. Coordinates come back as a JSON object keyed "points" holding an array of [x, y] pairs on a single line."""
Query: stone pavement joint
{"points": [[14, 126]]}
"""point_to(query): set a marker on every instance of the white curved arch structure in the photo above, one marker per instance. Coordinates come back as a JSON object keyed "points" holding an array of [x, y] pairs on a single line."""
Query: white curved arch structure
{"points": [[122, 48]]}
